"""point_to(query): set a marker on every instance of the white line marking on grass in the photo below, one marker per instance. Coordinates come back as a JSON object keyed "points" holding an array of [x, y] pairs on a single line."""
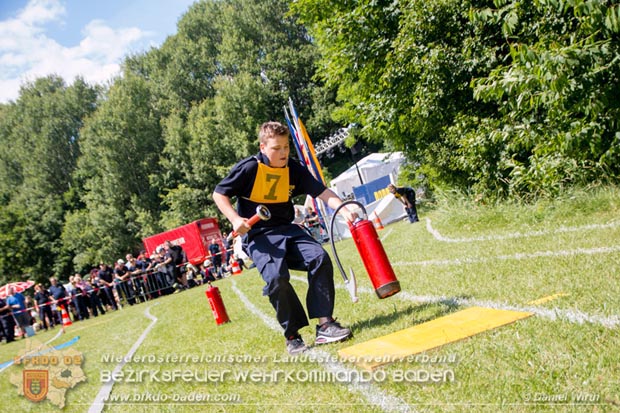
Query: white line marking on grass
{"points": [[106, 389], [269, 321], [518, 256], [60, 332], [388, 232], [572, 316], [559, 230], [373, 395]]}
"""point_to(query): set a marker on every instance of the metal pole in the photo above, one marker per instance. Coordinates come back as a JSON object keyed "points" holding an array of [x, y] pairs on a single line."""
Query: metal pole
{"points": [[357, 168]]}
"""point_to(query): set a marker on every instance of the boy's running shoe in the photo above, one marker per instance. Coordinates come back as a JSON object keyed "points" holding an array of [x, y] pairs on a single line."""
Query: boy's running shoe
{"points": [[331, 332], [295, 345]]}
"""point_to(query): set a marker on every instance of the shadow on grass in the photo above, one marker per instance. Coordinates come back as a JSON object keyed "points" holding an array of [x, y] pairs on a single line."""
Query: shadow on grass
{"points": [[439, 309]]}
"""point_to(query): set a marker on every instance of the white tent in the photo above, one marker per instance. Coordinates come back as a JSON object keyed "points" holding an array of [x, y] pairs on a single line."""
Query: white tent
{"points": [[388, 209], [370, 168]]}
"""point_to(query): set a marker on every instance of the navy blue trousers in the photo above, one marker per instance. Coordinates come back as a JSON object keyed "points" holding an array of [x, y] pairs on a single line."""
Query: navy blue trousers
{"points": [[278, 249]]}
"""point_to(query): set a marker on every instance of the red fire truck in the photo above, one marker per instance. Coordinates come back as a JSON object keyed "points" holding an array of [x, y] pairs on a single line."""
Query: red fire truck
{"points": [[194, 238]]}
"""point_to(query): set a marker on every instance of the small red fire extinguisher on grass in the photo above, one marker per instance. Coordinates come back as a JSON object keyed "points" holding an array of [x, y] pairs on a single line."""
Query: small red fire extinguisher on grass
{"points": [[217, 305]]}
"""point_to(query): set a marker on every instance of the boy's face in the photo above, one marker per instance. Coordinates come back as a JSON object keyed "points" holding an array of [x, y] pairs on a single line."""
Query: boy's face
{"points": [[276, 149]]}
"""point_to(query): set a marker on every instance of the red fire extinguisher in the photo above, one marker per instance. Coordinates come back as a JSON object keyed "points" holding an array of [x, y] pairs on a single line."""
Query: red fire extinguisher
{"points": [[217, 305], [373, 256]]}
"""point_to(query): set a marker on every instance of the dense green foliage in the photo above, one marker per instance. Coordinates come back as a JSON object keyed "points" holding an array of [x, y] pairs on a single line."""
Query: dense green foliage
{"points": [[498, 99], [38, 154]]}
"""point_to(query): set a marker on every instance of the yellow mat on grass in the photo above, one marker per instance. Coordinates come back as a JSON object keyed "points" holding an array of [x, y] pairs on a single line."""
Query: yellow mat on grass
{"points": [[448, 329]]}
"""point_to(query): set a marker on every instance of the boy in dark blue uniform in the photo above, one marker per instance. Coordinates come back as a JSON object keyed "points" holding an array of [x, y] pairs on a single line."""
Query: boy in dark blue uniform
{"points": [[278, 245]]}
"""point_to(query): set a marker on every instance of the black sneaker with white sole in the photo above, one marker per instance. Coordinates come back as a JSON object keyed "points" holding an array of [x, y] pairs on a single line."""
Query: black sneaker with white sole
{"points": [[331, 332], [295, 345]]}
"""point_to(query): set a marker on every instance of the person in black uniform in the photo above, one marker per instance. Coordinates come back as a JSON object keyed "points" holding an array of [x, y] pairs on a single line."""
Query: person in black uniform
{"points": [[43, 304], [7, 320], [311, 220], [277, 245], [228, 252], [106, 281], [174, 257], [406, 195], [216, 258], [59, 298], [122, 281]]}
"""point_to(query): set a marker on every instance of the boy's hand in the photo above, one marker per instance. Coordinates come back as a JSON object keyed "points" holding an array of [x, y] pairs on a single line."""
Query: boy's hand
{"points": [[350, 216], [240, 225]]}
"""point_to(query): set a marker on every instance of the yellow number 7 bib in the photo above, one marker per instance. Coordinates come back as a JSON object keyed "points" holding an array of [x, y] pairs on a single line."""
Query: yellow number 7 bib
{"points": [[271, 185]]}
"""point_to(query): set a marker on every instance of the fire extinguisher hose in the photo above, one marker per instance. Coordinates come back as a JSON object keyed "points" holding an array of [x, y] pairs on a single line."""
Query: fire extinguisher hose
{"points": [[350, 282]]}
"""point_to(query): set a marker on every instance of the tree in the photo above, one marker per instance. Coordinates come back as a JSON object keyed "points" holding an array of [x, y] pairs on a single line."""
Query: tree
{"points": [[40, 142], [402, 70], [557, 98], [121, 144], [501, 98], [231, 66]]}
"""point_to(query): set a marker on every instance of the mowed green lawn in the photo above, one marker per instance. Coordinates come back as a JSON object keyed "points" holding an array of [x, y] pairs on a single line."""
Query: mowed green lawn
{"points": [[563, 358]]}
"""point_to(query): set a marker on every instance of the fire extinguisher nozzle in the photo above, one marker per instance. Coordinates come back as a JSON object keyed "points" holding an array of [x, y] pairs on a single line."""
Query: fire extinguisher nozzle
{"points": [[351, 284]]}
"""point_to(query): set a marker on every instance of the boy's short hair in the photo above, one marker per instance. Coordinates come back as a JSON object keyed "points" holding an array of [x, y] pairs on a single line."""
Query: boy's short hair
{"points": [[271, 129]]}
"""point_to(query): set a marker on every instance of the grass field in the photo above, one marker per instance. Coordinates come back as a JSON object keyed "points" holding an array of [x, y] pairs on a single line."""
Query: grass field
{"points": [[563, 358]]}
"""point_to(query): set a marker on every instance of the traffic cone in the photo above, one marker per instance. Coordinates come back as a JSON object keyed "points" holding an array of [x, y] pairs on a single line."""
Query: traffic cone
{"points": [[236, 268], [66, 320], [377, 222]]}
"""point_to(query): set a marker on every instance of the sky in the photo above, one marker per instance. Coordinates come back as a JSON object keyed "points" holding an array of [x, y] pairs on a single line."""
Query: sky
{"points": [[70, 38]]}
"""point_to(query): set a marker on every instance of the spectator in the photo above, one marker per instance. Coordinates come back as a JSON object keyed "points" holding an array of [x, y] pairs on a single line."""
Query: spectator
{"points": [[106, 281], [92, 290], [7, 320], [227, 247], [299, 217], [59, 298], [311, 221], [72, 307], [78, 298], [97, 288], [216, 258], [122, 282], [135, 277], [159, 272], [2, 334], [191, 273], [206, 272], [30, 307], [17, 302], [173, 260], [43, 305], [149, 284]]}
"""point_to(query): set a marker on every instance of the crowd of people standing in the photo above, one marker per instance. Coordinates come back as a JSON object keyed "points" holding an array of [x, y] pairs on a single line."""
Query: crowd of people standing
{"points": [[107, 288]]}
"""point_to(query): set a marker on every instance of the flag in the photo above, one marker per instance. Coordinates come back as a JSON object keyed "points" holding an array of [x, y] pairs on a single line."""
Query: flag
{"points": [[305, 150], [293, 136]]}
